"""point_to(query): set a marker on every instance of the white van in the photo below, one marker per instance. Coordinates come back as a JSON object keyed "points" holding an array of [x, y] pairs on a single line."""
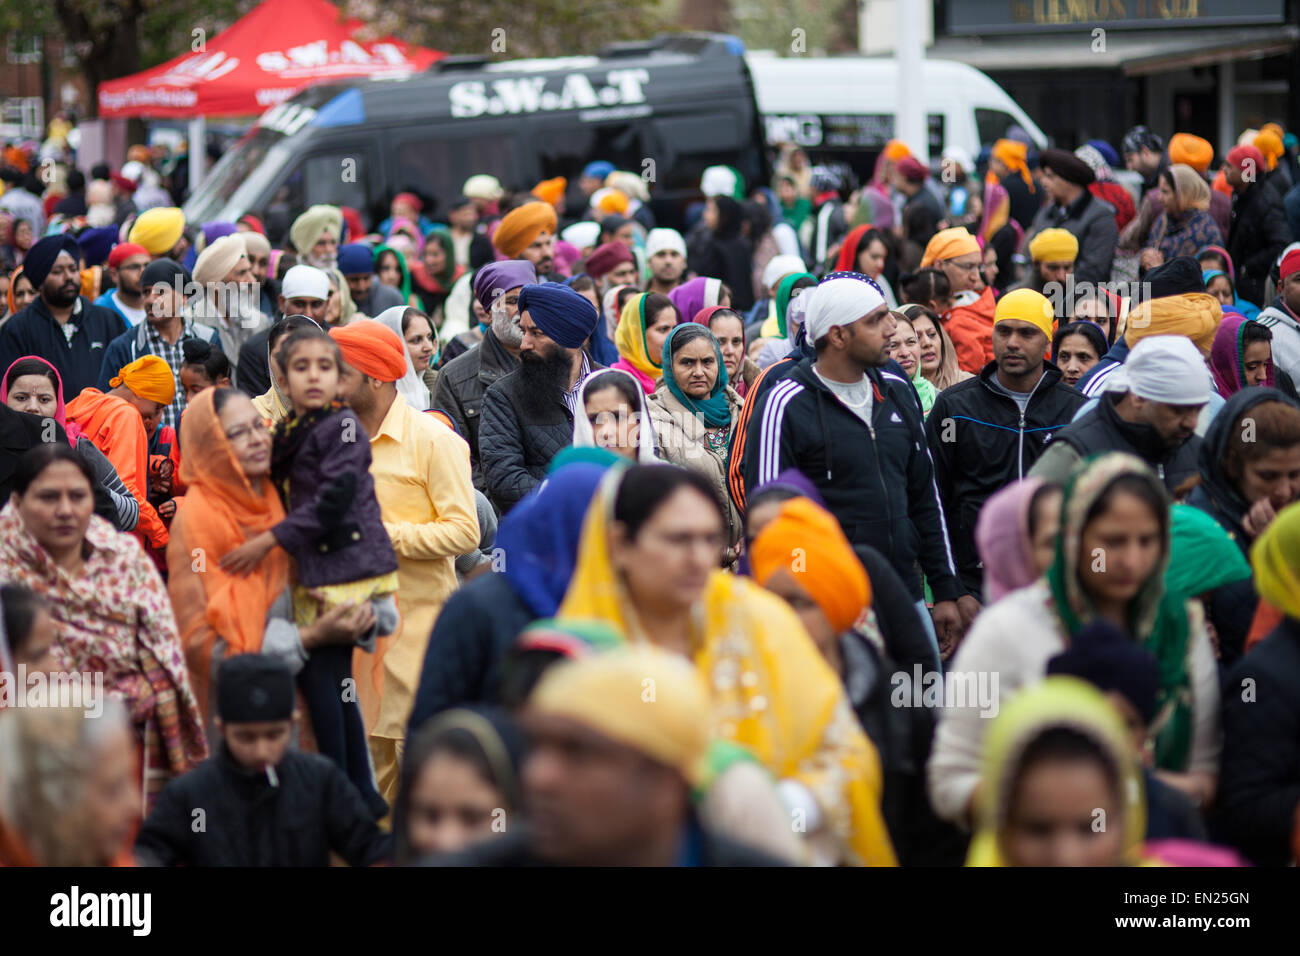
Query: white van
{"points": [[844, 108]]}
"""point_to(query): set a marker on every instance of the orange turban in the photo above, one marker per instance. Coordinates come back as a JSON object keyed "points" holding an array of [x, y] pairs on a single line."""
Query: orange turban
{"points": [[1191, 151], [1015, 156], [521, 226], [613, 201], [551, 190], [1270, 144], [949, 244], [150, 377], [896, 149], [807, 540], [372, 349]]}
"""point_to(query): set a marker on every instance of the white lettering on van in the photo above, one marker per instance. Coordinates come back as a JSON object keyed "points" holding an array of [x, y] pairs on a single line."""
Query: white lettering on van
{"points": [[529, 94]]}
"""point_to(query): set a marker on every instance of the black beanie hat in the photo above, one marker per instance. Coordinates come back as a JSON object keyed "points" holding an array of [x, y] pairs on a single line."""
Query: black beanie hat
{"points": [[1110, 660], [1177, 276], [252, 688]]}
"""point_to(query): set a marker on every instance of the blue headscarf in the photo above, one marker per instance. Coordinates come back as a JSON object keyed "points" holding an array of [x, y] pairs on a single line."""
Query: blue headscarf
{"points": [[568, 317], [540, 536], [714, 411]]}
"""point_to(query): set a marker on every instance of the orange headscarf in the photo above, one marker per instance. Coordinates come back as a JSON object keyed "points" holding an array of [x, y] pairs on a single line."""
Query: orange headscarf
{"points": [[1015, 156], [896, 149], [222, 510], [808, 541], [9, 293]]}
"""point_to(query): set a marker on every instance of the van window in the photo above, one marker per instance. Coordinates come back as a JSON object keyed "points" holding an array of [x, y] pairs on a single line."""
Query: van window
{"points": [[562, 150], [690, 144], [992, 125], [439, 165], [335, 178]]}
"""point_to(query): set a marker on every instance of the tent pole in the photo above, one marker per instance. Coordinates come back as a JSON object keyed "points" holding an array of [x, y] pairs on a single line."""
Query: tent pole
{"points": [[198, 150]]}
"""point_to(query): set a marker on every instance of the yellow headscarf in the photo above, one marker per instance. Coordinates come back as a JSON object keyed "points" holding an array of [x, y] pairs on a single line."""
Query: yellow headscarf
{"points": [[770, 690], [1053, 702], [150, 377], [1274, 557], [629, 337], [1015, 156]]}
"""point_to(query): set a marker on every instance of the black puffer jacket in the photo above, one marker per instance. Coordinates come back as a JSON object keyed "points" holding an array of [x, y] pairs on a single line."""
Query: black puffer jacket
{"points": [[1102, 430], [248, 822], [981, 443], [1259, 232], [1231, 608], [460, 388], [1259, 776], [514, 445]]}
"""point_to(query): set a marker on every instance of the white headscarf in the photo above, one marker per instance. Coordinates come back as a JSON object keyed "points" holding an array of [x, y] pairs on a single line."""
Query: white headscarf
{"points": [[411, 385], [584, 437]]}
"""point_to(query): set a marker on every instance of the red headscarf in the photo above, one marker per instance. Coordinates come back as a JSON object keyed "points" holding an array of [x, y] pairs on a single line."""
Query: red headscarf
{"points": [[60, 414], [848, 257]]}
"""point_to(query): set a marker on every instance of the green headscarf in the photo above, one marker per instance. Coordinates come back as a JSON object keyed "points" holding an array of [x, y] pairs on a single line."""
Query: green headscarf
{"points": [[714, 411], [783, 293], [1202, 555], [1156, 618], [401, 264]]}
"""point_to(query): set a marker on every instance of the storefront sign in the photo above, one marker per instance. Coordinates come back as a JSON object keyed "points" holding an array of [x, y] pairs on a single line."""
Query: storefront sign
{"points": [[1021, 16]]}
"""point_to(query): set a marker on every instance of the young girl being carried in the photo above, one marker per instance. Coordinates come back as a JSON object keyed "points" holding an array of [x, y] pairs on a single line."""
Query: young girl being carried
{"points": [[320, 463]]}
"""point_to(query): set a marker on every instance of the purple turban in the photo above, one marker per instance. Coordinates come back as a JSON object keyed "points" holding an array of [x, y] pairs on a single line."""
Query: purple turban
{"points": [[497, 278], [566, 316]]}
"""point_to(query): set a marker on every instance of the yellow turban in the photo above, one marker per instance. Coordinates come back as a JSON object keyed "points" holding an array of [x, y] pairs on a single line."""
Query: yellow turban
{"points": [[1191, 151], [521, 226], [158, 230], [1026, 305], [308, 228], [1270, 144], [551, 190], [1193, 314], [613, 201], [1275, 558], [949, 244], [1054, 245], [650, 700], [150, 377]]}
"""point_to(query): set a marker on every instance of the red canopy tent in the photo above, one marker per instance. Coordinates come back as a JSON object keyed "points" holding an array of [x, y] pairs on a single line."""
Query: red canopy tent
{"points": [[279, 47]]}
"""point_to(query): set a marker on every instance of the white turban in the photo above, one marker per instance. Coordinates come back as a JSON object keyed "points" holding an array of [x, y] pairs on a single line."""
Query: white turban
{"points": [[1164, 368], [581, 235], [842, 302], [778, 267]]}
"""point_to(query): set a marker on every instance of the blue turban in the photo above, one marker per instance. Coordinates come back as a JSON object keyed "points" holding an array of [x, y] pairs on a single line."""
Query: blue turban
{"points": [[565, 316], [41, 256], [498, 277], [356, 258], [96, 244], [598, 169]]}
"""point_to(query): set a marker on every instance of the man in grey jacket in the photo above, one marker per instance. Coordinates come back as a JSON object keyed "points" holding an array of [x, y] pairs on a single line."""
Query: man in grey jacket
{"points": [[1065, 179]]}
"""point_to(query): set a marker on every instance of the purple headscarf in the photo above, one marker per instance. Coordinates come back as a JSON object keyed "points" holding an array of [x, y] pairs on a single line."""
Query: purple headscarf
{"points": [[1228, 355], [1002, 539], [690, 297]]}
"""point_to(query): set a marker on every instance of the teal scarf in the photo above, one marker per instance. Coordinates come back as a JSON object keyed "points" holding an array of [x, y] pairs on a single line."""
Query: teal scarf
{"points": [[714, 411]]}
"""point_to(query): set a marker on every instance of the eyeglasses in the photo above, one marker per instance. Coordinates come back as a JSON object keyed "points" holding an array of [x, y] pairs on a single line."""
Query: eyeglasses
{"points": [[964, 266], [240, 435]]}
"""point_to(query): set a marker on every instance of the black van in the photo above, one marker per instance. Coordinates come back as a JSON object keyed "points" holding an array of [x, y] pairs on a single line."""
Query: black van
{"points": [[665, 109]]}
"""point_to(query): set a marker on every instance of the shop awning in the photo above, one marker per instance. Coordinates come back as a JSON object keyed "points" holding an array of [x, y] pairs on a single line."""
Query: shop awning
{"points": [[261, 60], [1136, 53]]}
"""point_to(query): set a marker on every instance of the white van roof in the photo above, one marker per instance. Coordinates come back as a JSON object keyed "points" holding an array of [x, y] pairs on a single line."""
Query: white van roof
{"points": [[857, 84]]}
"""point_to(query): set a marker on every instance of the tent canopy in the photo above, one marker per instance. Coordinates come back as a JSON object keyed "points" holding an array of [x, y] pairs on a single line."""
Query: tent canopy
{"points": [[279, 47]]}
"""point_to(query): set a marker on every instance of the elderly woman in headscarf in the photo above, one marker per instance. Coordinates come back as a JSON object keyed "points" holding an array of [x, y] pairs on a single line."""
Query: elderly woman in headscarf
{"points": [[770, 690], [1185, 226], [111, 613], [230, 500], [695, 412], [1261, 755], [1110, 562], [67, 793], [1061, 725]]}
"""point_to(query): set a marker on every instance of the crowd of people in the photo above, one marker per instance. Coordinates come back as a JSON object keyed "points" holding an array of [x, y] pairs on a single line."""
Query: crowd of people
{"points": [[921, 522]]}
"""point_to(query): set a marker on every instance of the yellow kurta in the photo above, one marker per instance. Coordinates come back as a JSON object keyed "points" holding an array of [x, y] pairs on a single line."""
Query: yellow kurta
{"points": [[422, 481]]}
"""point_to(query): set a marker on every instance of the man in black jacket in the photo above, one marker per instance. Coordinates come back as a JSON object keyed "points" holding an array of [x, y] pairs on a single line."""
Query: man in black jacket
{"points": [[857, 436], [986, 432], [608, 779], [464, 380], [528, 414], [1259, 229], [60, 325], [256, 802], [1149, 409]]}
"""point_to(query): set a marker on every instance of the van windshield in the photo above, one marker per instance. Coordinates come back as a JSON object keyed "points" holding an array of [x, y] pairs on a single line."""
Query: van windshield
{"points": [[238, 178]]}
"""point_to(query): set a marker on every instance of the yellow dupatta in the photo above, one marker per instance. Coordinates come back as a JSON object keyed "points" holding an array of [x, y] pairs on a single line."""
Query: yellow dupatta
{"points": [[629, 337], [770, 689], [1054, 702]]}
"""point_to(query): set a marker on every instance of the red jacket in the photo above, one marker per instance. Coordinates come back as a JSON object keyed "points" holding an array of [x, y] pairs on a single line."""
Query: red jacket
{"points": [[971, 329]]}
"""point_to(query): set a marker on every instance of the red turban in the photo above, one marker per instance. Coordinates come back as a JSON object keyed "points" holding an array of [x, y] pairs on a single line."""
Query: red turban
{"points": [[1239, 155], [1290, 264], [605, 259], [123, 251], [372, 349]]}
